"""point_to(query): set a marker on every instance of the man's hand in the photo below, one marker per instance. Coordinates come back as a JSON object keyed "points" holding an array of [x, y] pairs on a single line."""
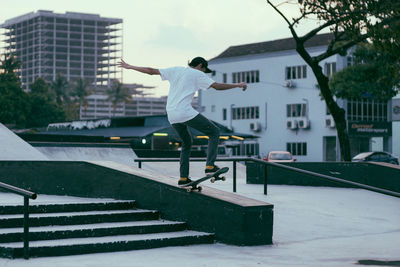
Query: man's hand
{"points": [[147, 70], [243, 86], [123, 64]]}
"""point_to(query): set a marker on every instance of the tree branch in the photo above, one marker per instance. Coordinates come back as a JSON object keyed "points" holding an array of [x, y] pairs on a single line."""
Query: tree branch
{"points": [[295, 36], [316, 30], [341, 48]]}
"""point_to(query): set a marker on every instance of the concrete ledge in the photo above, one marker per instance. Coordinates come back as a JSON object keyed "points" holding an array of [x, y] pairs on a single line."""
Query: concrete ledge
{"points": [[234, 219]]}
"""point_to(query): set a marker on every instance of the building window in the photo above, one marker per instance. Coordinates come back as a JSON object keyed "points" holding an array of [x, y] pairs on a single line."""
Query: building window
{"points": [[350, 61], [297, 149], [296, 110], [244, 113], [252, 76], [224, 78], [212, 108], [366, 110], [224, 114], [330, 68], [296, 72], [246, 149]]}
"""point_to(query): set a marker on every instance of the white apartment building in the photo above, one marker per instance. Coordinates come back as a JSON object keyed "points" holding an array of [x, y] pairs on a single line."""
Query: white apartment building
{"points": [[283, 106]]}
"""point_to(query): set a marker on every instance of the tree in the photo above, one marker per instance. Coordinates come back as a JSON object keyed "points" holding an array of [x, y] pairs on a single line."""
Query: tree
{"points": [[374, 74], [43, 106], [14, 102], [60, 88], [80, 92], [350, 23], [118, 94]]}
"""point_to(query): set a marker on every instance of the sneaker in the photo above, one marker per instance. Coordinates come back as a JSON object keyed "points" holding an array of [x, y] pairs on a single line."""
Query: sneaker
{"points": [[211, 169], [183, 182]]}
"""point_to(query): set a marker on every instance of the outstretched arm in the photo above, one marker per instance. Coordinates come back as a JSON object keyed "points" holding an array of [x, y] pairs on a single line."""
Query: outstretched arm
{"points": [[147, 70], [226, 86]]}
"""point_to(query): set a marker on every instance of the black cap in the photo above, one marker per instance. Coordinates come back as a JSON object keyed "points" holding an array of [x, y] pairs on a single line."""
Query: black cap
{"points": [[199, 60]]}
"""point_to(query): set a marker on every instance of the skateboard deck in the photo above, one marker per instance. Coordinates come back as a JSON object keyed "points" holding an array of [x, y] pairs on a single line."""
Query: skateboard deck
{"points": [[192, 186]]}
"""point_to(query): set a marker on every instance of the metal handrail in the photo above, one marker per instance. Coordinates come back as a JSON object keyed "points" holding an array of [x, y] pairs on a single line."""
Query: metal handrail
{"points": [[266, 163], [27, 195], [331, 178]]}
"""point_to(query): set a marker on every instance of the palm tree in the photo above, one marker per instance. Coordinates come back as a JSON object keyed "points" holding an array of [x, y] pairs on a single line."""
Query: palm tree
{"points": [[60, 88], [80, 90], [118, 94]]}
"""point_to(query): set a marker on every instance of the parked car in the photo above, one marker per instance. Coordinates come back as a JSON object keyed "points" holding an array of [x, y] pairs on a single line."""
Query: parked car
{"points": [[377, 156], [280, 156]]}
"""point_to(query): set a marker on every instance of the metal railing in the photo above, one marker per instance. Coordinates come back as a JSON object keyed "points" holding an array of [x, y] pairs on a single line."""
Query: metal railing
{"points": [[234, 160], [27, 195], [266, 163]]}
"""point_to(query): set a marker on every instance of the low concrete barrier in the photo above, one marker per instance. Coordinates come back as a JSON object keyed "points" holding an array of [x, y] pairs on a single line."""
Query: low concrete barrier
{"points": [[380, 175], [234, 219]]}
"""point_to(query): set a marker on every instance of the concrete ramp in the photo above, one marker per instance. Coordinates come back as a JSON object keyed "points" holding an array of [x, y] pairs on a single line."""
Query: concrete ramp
{"points": [[121, 153], [12, 147]]}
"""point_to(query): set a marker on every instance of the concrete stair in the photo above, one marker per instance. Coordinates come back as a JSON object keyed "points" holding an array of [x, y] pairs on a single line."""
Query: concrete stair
{"points": [[69, 229]]}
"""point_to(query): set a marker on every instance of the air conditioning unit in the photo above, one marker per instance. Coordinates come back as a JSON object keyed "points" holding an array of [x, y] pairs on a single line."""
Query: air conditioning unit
{"points": [[292, 124], [255, 126], [304, 123], [329, 122], [290, 84]]}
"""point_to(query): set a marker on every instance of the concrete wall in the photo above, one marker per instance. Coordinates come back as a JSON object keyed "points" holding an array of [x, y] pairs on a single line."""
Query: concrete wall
{"points": [[381, 175], [234, 219]]}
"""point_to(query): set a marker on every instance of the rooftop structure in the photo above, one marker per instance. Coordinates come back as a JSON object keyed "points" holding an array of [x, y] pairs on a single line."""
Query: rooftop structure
{"points": [[273, 46], [76, 45]]}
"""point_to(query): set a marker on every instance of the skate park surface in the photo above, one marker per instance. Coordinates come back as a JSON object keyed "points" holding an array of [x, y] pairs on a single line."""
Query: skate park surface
{"points": [[313, 226]]}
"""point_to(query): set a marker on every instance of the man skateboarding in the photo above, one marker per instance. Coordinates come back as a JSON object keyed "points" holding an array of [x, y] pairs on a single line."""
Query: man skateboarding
{"points": [[184, 83]]}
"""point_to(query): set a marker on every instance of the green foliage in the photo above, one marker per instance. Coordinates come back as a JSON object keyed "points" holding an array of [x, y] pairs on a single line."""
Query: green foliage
{"points": [[352, 16], [80, 90], [118, 94], [374, 74], [43, 106], [60, 87], [14, 103]]}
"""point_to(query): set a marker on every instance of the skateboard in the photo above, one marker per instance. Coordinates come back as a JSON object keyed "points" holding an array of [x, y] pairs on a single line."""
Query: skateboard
{"points": [[192, 186]]}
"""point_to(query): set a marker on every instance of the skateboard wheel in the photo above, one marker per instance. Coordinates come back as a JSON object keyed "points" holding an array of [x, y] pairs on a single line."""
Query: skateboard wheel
{"points": [[188, 189], [212, 180], [223, 178], [200, 188]]}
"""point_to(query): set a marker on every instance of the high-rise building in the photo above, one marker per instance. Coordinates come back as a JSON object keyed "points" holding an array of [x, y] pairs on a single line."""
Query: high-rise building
{"points": [[76, 45]]}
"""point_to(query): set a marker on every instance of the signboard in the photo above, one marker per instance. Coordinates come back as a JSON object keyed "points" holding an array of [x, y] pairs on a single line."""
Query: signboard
{"points": [[396, 109], [370, 128]]}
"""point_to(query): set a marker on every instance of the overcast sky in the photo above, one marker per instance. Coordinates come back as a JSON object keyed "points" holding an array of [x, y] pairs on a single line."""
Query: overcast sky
{"points": [[163, 33]]}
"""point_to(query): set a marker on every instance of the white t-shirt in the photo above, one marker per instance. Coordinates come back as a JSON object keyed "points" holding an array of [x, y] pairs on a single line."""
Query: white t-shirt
{"points": [[184, 82]]}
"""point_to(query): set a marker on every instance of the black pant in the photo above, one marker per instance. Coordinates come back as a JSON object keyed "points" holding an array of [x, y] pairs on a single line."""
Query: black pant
{"points": [[203, 125]]}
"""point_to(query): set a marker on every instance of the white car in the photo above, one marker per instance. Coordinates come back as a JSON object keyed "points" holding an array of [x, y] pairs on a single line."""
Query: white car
{"points": [[280, 156]]}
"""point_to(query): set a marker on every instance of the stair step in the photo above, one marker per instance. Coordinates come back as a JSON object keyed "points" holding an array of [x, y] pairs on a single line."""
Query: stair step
{"points": [[91, 230], [75, 246], [93, 227], [70, 207], [86, 217]]}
